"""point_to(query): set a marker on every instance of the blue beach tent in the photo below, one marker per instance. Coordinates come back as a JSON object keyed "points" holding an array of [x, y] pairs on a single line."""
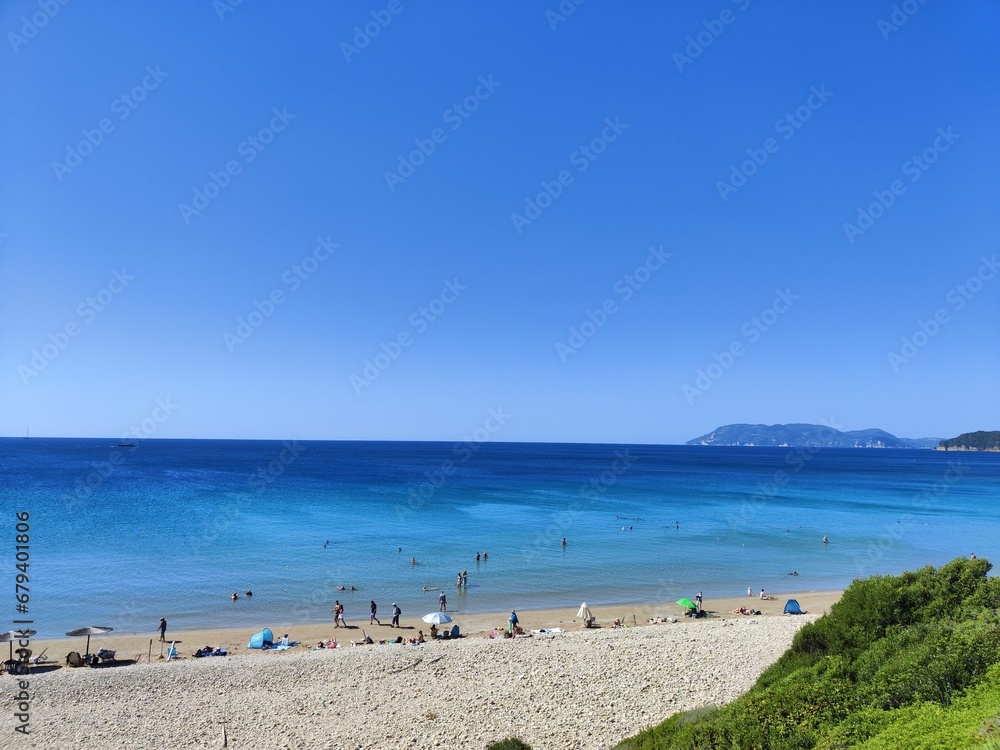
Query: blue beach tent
{"points": [[263, 639], [792, 607]]}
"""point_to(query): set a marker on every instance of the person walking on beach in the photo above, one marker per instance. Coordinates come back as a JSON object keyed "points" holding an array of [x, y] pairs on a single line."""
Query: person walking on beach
{"points": [[698, 599], [336, 612], [163, 630], [396, 612], [442, 602], [373, 618]]}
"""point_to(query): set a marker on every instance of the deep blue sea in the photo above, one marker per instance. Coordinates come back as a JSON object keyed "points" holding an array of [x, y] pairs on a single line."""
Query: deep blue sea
{"points": [[170, 528]]}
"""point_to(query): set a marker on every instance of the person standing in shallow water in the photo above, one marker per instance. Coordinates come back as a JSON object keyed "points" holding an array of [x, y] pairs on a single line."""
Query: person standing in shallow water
{"points": [[442, 602]]}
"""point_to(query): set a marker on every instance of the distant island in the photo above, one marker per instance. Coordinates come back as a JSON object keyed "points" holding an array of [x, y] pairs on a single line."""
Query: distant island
{"points": [[803, 435], [972, 441]]}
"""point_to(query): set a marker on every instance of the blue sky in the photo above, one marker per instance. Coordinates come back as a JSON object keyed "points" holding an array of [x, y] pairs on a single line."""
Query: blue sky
{"points": [[747, 212]]}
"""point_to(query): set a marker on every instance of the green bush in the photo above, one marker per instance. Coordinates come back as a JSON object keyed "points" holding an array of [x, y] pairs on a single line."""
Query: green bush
{"points": [[900, 661], [511, 743]]}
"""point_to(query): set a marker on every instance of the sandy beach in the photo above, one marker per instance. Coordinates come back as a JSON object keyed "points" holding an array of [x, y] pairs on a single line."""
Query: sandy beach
{"points": [[580, 688]]}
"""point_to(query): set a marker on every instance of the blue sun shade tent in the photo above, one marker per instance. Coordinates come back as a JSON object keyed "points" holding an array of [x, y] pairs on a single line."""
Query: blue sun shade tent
{"points": [[792, 607], [263, 639]]}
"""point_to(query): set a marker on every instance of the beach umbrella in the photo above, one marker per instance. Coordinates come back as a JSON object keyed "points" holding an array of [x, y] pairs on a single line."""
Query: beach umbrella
{"points": [[584, 612], [15, 635], [687, 603], [436, 618], [89, 631]]}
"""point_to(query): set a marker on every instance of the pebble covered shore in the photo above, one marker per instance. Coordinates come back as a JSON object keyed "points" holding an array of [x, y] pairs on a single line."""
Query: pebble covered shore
{"points": [[584, 689]]}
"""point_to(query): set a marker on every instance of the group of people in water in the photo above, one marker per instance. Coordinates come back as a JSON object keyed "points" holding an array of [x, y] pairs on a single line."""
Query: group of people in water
{"points": [[235, 596]]}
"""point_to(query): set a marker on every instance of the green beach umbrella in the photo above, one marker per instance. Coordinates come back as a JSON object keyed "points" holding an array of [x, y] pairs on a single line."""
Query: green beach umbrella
{"points": [[687, 603]]}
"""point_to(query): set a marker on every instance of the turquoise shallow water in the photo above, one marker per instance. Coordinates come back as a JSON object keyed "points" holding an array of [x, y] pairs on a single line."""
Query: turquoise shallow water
{"points": [[170, 528]]}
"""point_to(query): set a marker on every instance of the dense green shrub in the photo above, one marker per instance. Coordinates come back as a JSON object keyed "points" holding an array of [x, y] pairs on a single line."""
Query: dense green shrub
{"points": [[900, 661], [511, 743]]}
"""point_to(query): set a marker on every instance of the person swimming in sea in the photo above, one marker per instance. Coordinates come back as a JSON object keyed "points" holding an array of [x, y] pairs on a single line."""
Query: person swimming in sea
{"points": [[235, 596]]}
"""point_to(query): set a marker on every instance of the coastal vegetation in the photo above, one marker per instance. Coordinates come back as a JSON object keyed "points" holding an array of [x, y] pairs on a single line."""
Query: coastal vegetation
{"points": [[972, 441], [900, 661]]}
